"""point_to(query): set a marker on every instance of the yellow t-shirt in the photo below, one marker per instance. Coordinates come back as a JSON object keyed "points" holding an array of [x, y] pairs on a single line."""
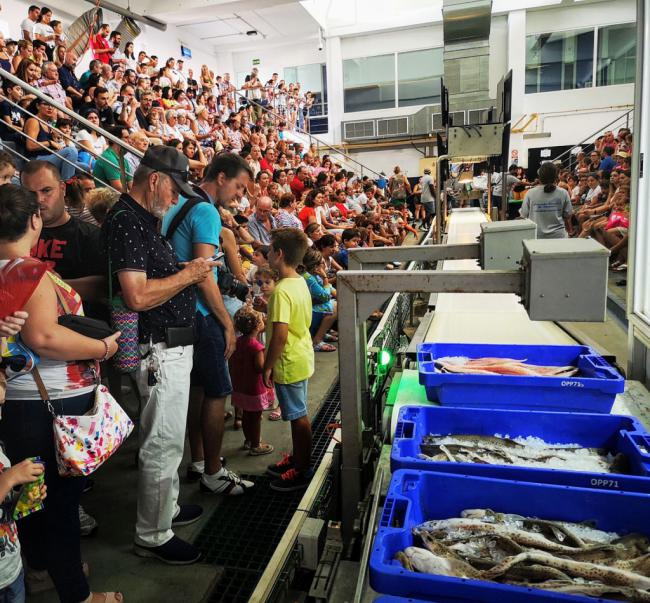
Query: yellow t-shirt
{"points": [[290, 303]]}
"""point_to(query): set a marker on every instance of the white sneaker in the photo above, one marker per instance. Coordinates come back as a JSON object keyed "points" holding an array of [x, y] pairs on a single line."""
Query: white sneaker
{"points": [[225, 482], [87, 523]]}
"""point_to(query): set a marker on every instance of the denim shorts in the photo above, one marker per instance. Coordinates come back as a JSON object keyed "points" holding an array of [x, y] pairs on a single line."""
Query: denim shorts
{"points": [[14, 592], [293, 399], [210, 369]]}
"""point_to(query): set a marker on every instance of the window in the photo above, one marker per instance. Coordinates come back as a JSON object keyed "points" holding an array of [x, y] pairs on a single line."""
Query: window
{"points": [[419, 74], [369, 83], [616, 55], [559, 61], [312, 78]]}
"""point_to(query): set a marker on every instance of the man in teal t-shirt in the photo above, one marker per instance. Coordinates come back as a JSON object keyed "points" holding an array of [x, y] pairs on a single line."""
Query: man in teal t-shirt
{"points": [[197, 235], [107, 167]]}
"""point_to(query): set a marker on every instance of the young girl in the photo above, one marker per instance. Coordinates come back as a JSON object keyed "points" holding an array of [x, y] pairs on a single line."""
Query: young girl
{"points": [[265, 278], [250, 395], [260, 257], [324, 313]]}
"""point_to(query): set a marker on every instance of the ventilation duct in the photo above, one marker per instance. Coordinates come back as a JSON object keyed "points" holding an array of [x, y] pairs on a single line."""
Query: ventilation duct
{"points": [[125, 12], [82, 29], [466, 27], [129, 29]]}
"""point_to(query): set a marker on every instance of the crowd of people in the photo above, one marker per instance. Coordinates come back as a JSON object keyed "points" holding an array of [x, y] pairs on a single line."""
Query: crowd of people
{"points": [[221, 238], [589, 198]]}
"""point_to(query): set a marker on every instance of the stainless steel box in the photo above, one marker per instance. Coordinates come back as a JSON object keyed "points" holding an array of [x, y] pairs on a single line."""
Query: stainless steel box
{"points": [[501, 243], [565, 279]]}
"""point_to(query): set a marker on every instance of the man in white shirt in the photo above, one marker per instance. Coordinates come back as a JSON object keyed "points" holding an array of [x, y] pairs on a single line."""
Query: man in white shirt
{"points": [[177, 76], [118, 56], [27, 26]]}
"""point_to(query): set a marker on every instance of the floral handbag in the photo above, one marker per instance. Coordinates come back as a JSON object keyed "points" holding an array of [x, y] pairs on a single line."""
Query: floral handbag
{"points": [[84, 442]]}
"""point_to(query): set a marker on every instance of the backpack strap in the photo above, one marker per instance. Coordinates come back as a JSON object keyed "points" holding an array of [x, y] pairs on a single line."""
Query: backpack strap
{"points": [[189, 205]]}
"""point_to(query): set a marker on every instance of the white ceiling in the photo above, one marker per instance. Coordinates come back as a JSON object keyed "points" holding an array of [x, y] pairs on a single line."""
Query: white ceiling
{"points": [[222, 24]]}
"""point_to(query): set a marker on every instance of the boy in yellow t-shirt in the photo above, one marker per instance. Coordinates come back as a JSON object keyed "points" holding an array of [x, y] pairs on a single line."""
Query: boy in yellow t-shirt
{"points": [[289, 358]]}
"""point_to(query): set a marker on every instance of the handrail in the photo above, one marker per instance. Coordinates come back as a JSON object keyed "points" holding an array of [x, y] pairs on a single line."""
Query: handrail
{"points": [[49, 151], [318, 140], [63, 109], [591, 136]]}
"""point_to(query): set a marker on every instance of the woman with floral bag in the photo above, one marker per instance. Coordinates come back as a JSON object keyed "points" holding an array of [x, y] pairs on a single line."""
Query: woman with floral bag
{"points": [[68, 366]]}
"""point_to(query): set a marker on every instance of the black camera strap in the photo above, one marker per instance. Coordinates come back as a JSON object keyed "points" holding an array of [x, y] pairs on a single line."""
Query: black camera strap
{"points": [[188, 206]]}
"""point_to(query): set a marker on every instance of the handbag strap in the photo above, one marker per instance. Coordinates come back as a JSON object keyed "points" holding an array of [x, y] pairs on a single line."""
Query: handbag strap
{"points": [[42, 390]]}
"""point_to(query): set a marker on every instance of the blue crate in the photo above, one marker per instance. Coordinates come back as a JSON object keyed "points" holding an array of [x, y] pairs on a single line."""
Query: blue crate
{"points": [[594, 391], [417, 496], [614, 433], [389, 599]]}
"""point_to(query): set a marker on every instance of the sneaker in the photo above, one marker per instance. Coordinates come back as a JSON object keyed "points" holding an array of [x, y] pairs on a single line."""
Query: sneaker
{"points": [[88, 524], [292, 480], [173, 552], [187, 515], [224, 482], [277, 469], [195, 470]]}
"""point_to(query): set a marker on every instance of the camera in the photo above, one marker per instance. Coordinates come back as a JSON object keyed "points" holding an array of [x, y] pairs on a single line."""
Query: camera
{"points": [[230, 286]]}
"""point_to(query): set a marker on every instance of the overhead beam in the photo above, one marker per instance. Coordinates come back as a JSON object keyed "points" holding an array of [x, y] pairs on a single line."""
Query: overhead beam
{"points": [[180, 11]]}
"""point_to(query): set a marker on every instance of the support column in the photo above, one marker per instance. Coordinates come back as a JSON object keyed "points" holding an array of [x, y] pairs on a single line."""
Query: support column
{"points": [[516, 58], [334, 87]]}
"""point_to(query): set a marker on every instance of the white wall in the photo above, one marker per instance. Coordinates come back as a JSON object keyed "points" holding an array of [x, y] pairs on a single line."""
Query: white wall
{"points": [[569, 116], [386, 160], [275, 59]]}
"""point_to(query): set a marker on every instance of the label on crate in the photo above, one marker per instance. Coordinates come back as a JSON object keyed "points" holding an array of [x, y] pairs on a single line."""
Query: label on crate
{"points": [[572, 384], [605, 483]]}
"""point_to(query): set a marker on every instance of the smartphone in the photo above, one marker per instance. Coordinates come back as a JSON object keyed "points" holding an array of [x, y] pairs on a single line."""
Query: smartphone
{"points": [[218, 256]]}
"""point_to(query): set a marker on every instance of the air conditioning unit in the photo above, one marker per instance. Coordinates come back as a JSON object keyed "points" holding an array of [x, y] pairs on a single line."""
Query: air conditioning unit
{"points": [[393, 126], [478, 116], [458, 118], [353, 130]]}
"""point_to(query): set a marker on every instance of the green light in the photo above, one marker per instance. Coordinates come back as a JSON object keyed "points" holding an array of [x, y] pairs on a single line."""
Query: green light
{"points": [[385, 358]]}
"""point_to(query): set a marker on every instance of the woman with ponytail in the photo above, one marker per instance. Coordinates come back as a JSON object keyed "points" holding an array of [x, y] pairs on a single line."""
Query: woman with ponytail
{"points": [[548, 205]]}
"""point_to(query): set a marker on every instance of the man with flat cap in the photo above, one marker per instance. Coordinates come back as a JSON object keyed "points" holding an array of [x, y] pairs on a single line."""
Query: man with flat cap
{"points": [[153, 283]]}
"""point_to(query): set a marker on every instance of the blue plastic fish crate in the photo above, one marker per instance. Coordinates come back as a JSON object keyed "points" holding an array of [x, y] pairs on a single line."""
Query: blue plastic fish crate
{"points": [[614, 433], [418, 496], [593, 391], [389, 599]]}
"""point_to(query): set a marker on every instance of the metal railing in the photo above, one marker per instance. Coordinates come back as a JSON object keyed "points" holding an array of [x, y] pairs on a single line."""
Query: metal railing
{"points": [[123, 147], [588, 141]]}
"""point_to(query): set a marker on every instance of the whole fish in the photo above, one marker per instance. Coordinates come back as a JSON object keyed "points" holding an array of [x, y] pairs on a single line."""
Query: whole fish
{"points": [[421, 560], [592, 589], [441, 526], [588, 571]]}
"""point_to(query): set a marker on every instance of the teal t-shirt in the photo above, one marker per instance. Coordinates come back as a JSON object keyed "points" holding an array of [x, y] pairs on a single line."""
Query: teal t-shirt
{"points": [[201, 225], [106, 168]]}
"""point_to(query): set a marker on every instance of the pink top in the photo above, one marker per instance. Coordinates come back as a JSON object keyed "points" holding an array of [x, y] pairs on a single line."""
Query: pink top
{"points": [[243, 374]]}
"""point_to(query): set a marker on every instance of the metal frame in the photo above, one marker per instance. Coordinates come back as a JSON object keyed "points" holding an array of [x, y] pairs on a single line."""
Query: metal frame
{"points": [[361, 292], [378, 257]]}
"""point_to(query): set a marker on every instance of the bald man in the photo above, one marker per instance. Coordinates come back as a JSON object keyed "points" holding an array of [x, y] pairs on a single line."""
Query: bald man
{"points": [[262, 222]]}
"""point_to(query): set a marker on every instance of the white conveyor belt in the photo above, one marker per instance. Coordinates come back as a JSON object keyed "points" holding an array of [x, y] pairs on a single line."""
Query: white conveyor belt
{"points": [[484, 317]]}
